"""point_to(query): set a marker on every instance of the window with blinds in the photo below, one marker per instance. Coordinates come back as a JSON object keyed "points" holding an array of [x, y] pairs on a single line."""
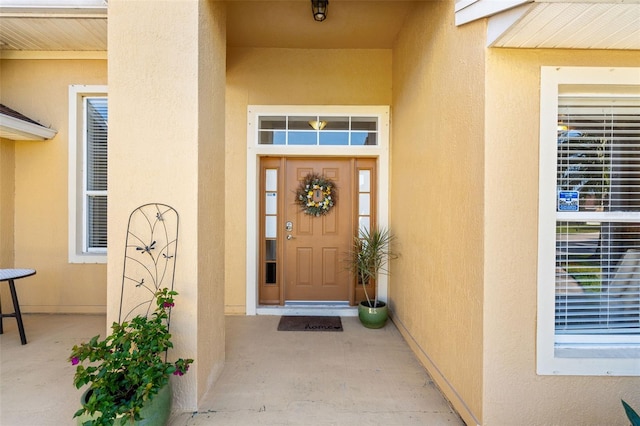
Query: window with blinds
{"points": [[597, 266], [95, 175]]}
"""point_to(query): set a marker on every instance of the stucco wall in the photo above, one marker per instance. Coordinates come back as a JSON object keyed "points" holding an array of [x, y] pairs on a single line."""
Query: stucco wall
{"points": [[512, 390], [7, 192], [39, 89], [285, 77], [436, 288]]}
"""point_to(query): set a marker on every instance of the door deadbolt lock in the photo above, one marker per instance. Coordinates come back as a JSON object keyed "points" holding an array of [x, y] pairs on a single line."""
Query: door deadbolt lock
{"points": [[288, 226]]}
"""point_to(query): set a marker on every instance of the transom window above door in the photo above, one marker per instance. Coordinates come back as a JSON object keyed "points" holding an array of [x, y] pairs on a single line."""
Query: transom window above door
{"points": [[317, 130]]}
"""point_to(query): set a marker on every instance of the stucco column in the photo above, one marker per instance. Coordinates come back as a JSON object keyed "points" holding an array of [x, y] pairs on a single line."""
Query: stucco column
{"points": [[7, 215], [7, 203], [166, 144]]}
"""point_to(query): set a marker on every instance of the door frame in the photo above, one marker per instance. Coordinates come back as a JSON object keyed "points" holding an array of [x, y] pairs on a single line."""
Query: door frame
{"points": [[255, 151]]}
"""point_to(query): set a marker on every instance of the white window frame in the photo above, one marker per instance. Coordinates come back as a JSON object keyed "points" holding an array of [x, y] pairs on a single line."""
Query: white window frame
{"points": [[77, 147], [566, 356]]}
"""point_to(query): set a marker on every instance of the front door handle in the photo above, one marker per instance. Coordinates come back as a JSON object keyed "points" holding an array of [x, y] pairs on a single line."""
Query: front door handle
{"points": [[290, 237]]}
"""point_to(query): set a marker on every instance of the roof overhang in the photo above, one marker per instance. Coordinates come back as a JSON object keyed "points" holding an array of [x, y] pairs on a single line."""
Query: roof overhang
{"points": [[53, 26], [20, 130], [472, 10], [556, 24], [53, 7]]}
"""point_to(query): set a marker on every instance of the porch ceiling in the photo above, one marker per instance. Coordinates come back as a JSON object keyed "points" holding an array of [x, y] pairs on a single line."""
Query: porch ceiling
{"points": [[289, 24], [81, 25], [250, 23]]}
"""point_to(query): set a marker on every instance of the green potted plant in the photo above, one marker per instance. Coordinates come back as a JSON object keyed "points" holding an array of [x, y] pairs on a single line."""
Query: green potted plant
{"points": [[128, 372], [368, 259]]}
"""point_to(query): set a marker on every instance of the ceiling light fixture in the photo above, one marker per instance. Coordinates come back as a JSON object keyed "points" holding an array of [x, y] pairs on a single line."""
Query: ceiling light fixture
{"points": [[319, 9], [317, 125]]}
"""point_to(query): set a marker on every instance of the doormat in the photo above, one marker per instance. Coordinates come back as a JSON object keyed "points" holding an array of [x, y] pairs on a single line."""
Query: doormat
{"points": [[306, 323]]}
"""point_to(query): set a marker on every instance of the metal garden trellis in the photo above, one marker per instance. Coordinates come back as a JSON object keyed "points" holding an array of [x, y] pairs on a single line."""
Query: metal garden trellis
{"points": [[149, 259]]}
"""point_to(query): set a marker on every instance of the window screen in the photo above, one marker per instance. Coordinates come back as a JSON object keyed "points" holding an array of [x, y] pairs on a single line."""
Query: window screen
{"points": [[598, 216]]}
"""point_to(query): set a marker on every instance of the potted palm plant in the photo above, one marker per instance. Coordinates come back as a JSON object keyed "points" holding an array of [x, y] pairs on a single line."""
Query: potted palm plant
{"points": [[367, 260], [634, 418], [127, 372]]}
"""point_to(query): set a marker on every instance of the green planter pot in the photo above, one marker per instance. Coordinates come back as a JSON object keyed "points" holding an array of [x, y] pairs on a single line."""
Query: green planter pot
{"points": [[373, 317], [154, 412]]}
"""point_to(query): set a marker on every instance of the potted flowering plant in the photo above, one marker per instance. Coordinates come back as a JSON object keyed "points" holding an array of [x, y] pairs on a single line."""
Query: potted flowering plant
{"points": [[128, 369], [371, 250]]}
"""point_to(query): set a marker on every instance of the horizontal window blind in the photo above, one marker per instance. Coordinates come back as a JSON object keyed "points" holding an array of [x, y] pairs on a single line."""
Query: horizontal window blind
{"points": [[598, 216], [97, 118], [96, 173], [97, 221]]}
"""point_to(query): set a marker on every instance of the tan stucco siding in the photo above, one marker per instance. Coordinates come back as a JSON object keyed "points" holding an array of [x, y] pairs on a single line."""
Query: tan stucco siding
{"points": [[211, 195], [512, 390], [7, 194], [166, 144], [39, 89], [436, 287], [285, 77]]}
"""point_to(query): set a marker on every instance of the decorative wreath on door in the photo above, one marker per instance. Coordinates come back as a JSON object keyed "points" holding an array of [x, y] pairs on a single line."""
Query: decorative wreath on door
{"points": [[316, 195]]}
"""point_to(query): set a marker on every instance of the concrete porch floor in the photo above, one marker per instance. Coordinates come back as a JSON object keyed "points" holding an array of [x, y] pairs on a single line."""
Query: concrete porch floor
{"points": [[358, 376]]}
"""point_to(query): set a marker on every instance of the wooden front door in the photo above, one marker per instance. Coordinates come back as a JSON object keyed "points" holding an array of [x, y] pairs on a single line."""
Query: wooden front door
{"points": [[315, 246], [301, 255]]}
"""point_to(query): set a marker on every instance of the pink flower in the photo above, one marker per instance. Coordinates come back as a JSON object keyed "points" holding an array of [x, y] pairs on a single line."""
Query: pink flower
{"points": [[168, 304], [75, 360], [178, 373]]}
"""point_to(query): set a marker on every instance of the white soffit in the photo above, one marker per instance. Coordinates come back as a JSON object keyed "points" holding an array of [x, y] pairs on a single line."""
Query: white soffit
{"points": [[54, 4], [59, 34], [566, 24], [53, 25]]}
